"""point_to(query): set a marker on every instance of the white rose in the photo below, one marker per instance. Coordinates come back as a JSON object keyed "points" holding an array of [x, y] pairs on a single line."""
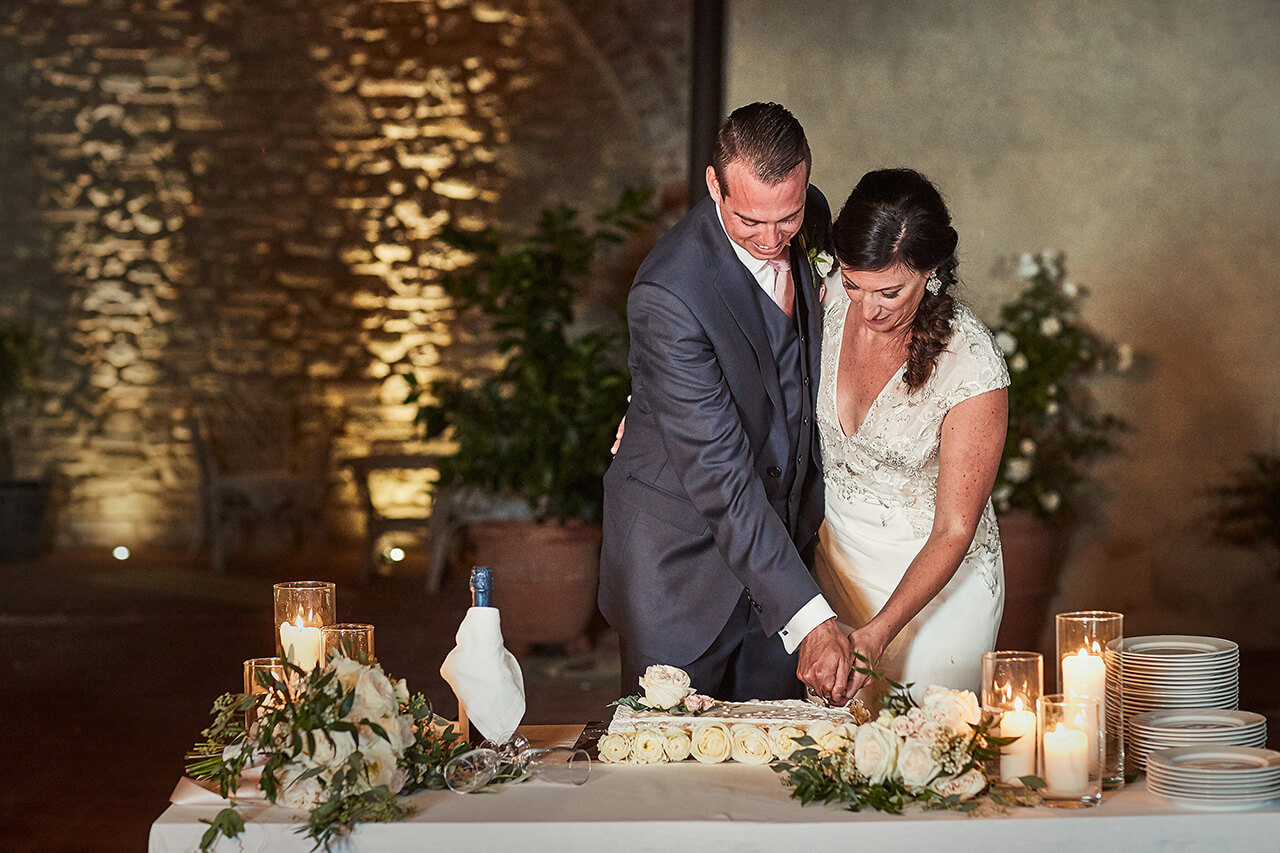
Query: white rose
{"points": [[1050, 326], [965, 786], [875, 753], [903, 726], [1008, 343], [698, 702], [346, 671], [928, 731], [1027, 446], [332, 753], [379, 762], [822, 264], [783, 739], [649, 746], [678, 744], [711, 743], [819, 730], [402, 692], [664, 686], [885, 718], [375, 696], [298, 793], [751, 744], [1124, 358], [916, 764], [1017, 469], [840, 736], [614, 748], [1028, 266], [957, 710], [1018, 363]]}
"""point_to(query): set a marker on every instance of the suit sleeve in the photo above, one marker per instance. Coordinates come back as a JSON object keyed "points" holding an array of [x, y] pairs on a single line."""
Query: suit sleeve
{"points": [[703, 434]]}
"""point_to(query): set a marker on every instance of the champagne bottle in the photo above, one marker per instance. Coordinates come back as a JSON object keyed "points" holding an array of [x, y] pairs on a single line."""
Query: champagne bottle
{"points": [[481, 586], [481, 592]]}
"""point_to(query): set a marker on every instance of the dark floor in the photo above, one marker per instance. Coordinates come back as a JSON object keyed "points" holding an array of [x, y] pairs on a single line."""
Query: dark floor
{"points": [[112, 667]]}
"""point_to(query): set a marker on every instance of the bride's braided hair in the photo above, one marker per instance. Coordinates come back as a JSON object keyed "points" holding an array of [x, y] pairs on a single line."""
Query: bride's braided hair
{"points": [[896, 216]]}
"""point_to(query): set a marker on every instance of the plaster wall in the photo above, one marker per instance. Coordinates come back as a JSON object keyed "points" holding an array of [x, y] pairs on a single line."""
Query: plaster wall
{"points": [[1141, 139]]}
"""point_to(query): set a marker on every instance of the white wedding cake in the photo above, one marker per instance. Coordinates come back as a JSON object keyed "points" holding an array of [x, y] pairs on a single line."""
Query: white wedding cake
{"points": [[671, 722]]}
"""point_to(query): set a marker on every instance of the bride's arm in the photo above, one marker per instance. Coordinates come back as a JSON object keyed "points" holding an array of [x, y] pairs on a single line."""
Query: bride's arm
{"points": [[973, 435]]}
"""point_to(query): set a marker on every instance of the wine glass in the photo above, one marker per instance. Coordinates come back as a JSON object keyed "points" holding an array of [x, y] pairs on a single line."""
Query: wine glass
{"points": [[471, 770], [563, 765]]}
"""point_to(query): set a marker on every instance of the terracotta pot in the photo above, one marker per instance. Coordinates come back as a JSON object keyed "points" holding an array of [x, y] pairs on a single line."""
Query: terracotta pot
{"points": [[545, 578], [1033, 556], [22, 511]]}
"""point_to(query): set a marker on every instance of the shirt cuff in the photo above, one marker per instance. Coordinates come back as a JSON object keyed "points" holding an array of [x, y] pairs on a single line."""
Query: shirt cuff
{"points": [[806, 619]]}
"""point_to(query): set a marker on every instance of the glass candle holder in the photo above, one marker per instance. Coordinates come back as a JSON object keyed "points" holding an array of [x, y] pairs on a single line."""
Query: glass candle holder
{"points": [[1070, 750], [1086, 668], [302, 608], [349, 639], [255, 670], [1011, 684]]}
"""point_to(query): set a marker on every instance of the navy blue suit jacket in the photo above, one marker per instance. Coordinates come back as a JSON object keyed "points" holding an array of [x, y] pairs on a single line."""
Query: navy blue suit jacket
{"points": [[696, 509]]}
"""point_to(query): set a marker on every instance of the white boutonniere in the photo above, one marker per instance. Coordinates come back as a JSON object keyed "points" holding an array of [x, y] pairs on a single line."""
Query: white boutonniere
{"points": [[822, 263]]}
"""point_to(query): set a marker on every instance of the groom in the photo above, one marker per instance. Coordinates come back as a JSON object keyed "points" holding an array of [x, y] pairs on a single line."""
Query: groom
{"points": [[716, 490]]}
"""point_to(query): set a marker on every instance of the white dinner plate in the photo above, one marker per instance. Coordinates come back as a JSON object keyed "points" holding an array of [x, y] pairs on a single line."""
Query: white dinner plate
{"points": [[1165, 646], [1218, 759], [1196, 720]]}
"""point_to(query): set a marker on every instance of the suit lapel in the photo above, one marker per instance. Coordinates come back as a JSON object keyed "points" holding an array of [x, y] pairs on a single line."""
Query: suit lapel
{"points": [[733, 283]]}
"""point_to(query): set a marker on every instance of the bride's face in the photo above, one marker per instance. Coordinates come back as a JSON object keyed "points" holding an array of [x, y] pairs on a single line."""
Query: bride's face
{"points": [[887, 299]]}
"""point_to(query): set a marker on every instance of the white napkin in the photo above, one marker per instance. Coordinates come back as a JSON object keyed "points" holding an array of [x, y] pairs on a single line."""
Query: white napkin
{"points": [[485, 676], [190, 792]]}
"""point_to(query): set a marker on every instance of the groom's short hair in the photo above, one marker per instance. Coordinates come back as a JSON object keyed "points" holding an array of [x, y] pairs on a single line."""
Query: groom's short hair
{"points": [[766, 138]]}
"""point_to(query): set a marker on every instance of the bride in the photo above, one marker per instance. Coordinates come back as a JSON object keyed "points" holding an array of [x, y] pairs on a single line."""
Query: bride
{"points": [[912, 411]]}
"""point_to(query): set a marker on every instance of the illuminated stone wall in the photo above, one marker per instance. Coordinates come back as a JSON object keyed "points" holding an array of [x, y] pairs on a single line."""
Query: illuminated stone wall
{"points": [[210, 202]]}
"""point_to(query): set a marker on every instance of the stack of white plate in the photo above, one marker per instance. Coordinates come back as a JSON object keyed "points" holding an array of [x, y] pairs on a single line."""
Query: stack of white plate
{"points": [[1214, 777], [1172, 671], [1152, 730]]}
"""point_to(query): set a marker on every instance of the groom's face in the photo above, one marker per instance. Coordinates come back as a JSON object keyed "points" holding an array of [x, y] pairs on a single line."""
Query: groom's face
{"points": [[761, 218]]}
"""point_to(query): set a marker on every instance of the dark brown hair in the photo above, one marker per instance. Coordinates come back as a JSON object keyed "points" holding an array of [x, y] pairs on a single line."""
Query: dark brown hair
{"points": [[766, 137], [896, 216]]}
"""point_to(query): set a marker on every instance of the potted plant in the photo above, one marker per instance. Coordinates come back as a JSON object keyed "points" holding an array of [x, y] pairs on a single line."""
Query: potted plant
{"points": [[21, 501], [1247, 513], [1055, 433], [539, 426]]}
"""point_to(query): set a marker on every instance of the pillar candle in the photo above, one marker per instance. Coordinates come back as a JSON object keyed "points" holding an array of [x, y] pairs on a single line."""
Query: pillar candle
{"points": [[1018, 758], [1084, 676], [301, 644], [1066, 761]]}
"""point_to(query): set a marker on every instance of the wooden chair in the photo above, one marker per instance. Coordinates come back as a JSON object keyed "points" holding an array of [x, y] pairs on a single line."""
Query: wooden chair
{"points": [[262, 464]]}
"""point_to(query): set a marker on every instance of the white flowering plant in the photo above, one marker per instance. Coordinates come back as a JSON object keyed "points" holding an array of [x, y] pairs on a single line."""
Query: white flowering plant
{"points": [[1055, 428], [342, 742], [931, 753]]}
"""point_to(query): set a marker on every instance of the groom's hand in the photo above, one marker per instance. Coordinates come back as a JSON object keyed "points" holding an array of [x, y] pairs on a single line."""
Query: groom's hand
{"points": [[824, 663]]}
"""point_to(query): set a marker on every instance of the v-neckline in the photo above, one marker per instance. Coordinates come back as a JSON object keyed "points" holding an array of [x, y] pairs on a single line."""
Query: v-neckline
{"points": [[835, 385]]}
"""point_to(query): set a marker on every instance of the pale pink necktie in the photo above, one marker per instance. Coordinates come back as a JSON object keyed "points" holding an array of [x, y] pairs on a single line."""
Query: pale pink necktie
{"points": [[783, 291]]}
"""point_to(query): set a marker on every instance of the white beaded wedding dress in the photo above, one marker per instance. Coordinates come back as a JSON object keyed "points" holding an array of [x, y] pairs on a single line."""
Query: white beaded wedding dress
{"points": [[881, 489]]}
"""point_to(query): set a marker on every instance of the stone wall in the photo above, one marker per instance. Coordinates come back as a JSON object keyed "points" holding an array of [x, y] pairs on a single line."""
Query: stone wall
{"points": [[207, 204]]}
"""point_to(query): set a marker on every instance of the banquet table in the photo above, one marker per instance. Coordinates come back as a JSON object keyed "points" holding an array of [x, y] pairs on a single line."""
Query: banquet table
{"points": [[692, 806]]}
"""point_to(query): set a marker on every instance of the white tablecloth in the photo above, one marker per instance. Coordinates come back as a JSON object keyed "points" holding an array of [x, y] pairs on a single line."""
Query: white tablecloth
{"points": [[691, 806]]}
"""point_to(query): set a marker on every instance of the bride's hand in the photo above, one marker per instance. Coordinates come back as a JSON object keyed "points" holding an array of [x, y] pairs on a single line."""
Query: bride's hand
{"points": [[824, 663]]}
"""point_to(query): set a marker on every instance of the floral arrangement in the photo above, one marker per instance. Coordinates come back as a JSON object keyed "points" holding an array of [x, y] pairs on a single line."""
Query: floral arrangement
{"points": [[667, 689], [930, 753], [1054, 428], [342, 742]]}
